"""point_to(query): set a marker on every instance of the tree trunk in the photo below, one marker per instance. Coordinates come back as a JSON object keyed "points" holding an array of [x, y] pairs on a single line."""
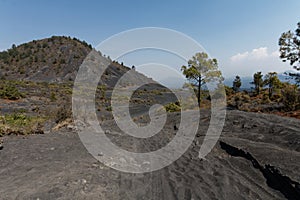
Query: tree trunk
{"points": [[199, 92], [270, 90], [258, 90]]}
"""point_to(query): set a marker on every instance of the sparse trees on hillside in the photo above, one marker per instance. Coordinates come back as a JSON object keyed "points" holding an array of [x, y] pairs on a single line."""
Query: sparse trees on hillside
{"points": [[13, 51], [236, 84], [257, 82], [200, 70], [289, 43]]}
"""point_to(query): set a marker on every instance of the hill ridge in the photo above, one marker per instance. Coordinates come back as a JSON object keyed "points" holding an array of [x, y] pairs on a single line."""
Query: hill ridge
{"points": [[55, 60]]}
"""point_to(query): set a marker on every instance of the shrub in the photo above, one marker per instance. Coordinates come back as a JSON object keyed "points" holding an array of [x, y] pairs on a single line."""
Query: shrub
{"points": [[246, 98], [62, 113], [173, 107], [45, 45], [157, 92], [277, 96], [102, 91], [19, 123], [291, 97], [245, 107], [239, 99], [52, 97], [108, 108], [266, 99], [16, 118], [229, 91], [242, 97], [9, 91]]}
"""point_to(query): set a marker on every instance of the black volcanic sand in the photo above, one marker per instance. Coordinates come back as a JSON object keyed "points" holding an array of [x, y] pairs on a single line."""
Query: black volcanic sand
{"points": [[257, 157]]}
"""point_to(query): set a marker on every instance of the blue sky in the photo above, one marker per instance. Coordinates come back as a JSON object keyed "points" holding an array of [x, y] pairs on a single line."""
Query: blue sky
{"points": [[242, 35]]}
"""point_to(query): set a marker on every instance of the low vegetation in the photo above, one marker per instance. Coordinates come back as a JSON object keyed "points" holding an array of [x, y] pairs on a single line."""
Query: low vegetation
{"points": [[291, 97], [9, 91], [269, 95], [173, 107], [21, 124]]}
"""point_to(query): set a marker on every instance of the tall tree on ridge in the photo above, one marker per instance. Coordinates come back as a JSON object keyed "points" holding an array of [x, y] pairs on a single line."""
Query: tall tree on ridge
{"points": [[201, 70]]}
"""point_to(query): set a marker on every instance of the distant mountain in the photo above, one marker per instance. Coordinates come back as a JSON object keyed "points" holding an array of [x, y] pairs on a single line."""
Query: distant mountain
{"points": [[246, 81], [56, 59]]}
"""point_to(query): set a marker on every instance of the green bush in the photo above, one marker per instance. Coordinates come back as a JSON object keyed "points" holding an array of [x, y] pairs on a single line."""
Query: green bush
{"points": [[9, 91], [17, 119], [19, 123], [291, 97], [173, 107]]}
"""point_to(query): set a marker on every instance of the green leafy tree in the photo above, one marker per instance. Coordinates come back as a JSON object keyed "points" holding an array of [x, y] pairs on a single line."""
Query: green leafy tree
{"points": [[237, 83], [291, 97], [289, 43], [258, 82], [201, 70], [271, 80]]}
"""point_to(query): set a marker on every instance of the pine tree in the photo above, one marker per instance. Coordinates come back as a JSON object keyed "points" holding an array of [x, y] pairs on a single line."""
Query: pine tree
{"points": [[257, 82], [237, 84], [200, 70]]}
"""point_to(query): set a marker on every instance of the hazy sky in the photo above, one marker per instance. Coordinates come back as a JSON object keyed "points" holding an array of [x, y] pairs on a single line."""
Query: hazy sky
{"points": [[242, 35]]}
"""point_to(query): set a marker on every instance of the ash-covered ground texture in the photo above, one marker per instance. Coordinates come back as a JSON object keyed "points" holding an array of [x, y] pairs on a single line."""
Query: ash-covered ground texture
{"points": [[257, 157]]}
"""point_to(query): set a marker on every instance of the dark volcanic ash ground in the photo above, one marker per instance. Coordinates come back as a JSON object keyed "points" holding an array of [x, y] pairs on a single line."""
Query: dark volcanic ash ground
{"points": [[257, 157]]}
